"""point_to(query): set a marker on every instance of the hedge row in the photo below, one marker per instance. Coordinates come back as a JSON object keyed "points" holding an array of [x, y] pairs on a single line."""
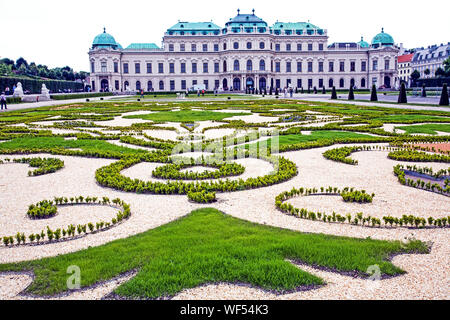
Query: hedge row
{"points": [[35, 86], [79, 95]]}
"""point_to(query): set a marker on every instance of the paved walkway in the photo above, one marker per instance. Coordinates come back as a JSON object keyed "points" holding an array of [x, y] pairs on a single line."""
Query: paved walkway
{"points": [[307, 97]]}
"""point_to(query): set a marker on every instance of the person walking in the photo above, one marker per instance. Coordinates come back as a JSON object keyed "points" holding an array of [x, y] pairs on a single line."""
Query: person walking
{"points": [[3, 101], [142, 93]]}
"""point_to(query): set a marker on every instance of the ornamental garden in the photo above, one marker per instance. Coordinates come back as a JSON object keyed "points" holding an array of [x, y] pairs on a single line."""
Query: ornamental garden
{"points": [[222, 198]]}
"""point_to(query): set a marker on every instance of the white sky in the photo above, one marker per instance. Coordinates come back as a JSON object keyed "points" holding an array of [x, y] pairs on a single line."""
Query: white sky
{"points": [[59, 33]]}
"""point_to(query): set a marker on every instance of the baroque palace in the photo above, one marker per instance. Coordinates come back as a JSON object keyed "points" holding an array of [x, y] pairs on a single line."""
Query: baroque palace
{"points": [[246, 53]]}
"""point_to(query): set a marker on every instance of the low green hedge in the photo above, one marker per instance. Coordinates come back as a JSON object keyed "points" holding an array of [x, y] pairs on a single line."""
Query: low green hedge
{"points": [[80, 95]]}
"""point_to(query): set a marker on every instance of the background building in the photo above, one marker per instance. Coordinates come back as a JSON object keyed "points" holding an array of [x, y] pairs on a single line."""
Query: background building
{"points": [[404, 68], [246, 53], [430, 59]]}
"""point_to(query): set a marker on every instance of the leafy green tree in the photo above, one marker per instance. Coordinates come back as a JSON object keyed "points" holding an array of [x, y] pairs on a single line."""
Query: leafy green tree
{"points": [[427, 72], [439, 72], [21, 61], [415, 75], [446, 64]]}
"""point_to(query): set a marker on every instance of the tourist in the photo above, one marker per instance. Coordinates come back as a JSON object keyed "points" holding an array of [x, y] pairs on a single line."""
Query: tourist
{"points": [[7, 91], [198, 92], [142, 93], [203, 92], [187, 92], [291, 91], [3, 101]]}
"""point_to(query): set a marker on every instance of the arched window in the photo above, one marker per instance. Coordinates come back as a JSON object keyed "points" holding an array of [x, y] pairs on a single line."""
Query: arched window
{"points": [[352, 82], [149, 86], [249, 45], [363, 82], [161, 85], [236, 45], [249, 65], [330, 83], [262, 65], [224, 66], [138, 85], [262, 45], [341, 83], [236, 65]]}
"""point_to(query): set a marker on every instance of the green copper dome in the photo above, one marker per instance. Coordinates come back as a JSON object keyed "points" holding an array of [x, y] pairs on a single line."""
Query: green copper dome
{"points": [[382, 39], [363, 44], [105, 40]]}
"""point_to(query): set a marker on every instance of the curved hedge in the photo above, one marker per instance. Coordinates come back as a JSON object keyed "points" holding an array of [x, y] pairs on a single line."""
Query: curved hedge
{"points": [[358, 219], [172, 171], [417, 156]]}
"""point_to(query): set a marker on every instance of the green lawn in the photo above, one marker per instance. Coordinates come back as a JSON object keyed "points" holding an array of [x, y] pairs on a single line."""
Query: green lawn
{"points": [[208, 246], [405, 118], [186, 116], [59, 142], [426, 128]]}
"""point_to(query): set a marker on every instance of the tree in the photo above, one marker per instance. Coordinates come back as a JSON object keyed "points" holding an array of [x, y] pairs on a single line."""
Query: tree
{"points": [[373, 95], [439, 72], [333, 93], [444, 96], [446, 65], [21, 61], [415, 75], [424, 91], [427, 72], [402, 95], [351, 95]]}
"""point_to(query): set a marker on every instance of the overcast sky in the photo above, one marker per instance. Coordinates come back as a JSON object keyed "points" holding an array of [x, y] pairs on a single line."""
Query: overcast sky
{"points": [[60, 32]]}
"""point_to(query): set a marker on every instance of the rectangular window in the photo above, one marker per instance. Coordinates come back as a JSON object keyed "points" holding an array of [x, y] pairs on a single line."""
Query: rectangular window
{"points": [[310, 66], [299, 66], [103, 66], [183, 84], [183, 67], [342, 66], [171, 47], [160, 67], [116, 67], [330, 66], [125, 68], [205, 67], [205, 47], [182, 47], [194, 67], [277, 47], [310, 83], [310, 47], [93, 85], [171, 67], [193, 47], [149, 68], [288, 66], [299, 83], [137, 68], [278, 83], [194, 82], [205, 82], [277, 67], [320, 66], [299, 47], [93, 67], [216, 67], [172, 85], [320, 46], [387, 64], [216, 47], [116, 84], [363, 66], [288, 47], [375, 65], [320, 83], [352, 66]]}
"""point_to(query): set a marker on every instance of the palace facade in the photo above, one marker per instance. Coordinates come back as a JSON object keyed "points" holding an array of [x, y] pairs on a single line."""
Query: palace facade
{"points": [[246, 53]]}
